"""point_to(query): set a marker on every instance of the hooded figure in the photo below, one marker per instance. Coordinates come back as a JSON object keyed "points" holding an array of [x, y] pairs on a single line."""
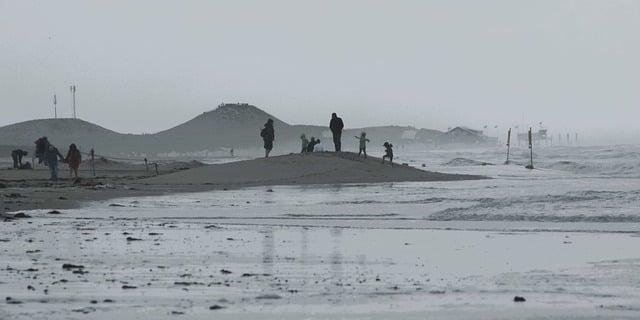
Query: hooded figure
{"points": [[336, 125], [268, 135]]}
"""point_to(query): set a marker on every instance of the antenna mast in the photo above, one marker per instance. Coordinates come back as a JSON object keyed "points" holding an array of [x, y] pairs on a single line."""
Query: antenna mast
{"points": [[73, 93], [55, 107]]}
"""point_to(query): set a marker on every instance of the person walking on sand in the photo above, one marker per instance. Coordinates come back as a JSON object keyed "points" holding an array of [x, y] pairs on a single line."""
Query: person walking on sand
{"points": [[305, 143], [74, 158], [388, 152], [363, 143], [336, 125], [51, 157], [268, 135]]}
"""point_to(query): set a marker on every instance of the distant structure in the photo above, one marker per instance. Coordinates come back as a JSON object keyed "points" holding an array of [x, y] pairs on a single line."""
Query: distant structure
{"points": [[537, 137], [55, 107], [464, 135], [73, 94], [409, 135]]}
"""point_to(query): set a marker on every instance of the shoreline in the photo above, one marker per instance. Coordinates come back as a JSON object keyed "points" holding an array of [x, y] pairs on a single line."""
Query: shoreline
{"points": [[30, 190]]}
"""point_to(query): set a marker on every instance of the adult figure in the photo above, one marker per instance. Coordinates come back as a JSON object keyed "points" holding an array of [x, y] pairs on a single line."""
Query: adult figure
{"points": [[16, 156], [74, 158], [268, 135], [51, 158], [336, 125], [42, 145]]}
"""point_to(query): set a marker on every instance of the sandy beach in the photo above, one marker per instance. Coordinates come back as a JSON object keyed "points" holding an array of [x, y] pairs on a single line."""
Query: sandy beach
{"points": [[184, 244], [31, 189]]}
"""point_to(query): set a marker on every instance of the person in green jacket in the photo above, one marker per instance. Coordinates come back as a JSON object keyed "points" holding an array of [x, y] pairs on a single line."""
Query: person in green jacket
{"points": [[363, 144]]}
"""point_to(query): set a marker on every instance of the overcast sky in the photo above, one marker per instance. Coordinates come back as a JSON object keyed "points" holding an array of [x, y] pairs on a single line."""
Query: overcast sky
{"points": [[144, 66]]}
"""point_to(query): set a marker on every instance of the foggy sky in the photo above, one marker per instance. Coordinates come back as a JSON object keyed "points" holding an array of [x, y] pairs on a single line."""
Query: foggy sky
{"points": [[144, 66]]}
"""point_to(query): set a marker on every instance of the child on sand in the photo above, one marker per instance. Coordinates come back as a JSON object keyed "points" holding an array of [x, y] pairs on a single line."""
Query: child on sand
{"points": [[305, 143], [363, 143], [388, 149], [318, 146]]}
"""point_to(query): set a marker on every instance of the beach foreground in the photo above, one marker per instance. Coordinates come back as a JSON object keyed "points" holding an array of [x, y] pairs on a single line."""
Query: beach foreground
{"points": [[127, 268]]}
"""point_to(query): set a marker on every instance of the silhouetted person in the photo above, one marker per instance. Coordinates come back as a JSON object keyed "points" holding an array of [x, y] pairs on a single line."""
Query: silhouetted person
{"points": [[74, 158], [363, 143], [51, 158], [42, 145], [268, 135], [16, 156], [336, 125], [304, 143], [388, 152]]}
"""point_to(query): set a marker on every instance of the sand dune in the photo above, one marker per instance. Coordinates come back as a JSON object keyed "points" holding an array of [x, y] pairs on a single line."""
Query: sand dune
{"points": [[314, 168]]}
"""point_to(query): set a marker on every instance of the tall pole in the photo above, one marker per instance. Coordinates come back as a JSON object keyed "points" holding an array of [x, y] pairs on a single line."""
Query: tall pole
{"points": [[508, 144], [73, 93], [55, 107], [530, 166]]}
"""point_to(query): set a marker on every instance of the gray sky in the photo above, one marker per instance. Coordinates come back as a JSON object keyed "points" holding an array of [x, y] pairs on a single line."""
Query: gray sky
{"points": [[144, 66]]}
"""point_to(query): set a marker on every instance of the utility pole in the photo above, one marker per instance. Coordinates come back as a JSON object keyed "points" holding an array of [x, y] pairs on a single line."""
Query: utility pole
{"points": [[508, 144], [55, 107], [73, 93], [530, 166]]}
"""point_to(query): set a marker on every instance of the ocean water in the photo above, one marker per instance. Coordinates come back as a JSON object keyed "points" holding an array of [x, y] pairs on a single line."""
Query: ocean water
{"points": [[593, 188]]}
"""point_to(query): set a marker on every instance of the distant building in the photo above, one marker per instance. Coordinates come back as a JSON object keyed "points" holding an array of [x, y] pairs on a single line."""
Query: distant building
{"points": [[538, 137], [462, 135], [409, 135]]}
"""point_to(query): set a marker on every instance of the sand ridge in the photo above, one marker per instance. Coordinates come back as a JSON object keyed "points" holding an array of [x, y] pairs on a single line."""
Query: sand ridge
{"points": [[304, 169]]}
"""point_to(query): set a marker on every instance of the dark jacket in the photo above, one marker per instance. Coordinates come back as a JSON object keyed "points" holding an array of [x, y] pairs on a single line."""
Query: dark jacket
{"points": [[267, 132], [52, 155], [336, 125]]}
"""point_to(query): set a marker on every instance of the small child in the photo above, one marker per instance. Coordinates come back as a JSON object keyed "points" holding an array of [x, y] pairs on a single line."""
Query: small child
{"points": [[363, 143], [388, 149], [318, 146], [305, 143]]}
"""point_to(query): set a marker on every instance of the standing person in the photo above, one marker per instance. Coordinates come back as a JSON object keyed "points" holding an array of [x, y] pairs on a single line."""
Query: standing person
{"points": [[305, 143], [363, 143], [388, 152], [268, 135], [74, 158], [336, 125], [51, 157], [42, 145]]}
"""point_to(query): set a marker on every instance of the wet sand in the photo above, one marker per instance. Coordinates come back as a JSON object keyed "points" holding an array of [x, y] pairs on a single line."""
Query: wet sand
{"points": [[105, 268]]}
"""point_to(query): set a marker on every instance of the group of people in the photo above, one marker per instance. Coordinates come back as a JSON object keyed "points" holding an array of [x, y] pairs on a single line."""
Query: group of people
{"points": [[336, 125], [48, 154]]}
